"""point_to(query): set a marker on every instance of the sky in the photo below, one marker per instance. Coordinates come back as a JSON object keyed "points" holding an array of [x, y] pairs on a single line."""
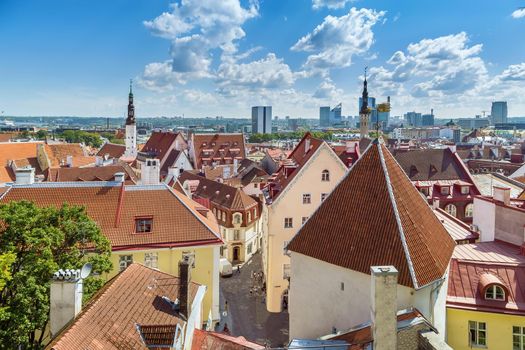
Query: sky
{"points": [[207, 58]]}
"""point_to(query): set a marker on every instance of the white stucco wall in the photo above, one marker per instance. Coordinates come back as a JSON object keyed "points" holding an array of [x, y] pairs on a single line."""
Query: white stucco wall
{"points": [[317, 303], [485, 219]]}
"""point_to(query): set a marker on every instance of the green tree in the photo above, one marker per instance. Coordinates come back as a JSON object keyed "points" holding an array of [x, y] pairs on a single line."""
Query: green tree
{"points": [[41, 134], [43, 241]]}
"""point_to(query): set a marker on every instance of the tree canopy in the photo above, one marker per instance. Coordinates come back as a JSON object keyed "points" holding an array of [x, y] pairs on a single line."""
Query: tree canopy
{"points": [[295, 135], [34, 243], [77, 136]]}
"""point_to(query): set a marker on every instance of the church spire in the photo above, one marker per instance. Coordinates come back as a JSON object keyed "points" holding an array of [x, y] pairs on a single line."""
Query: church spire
{"points": [[363, 112], [130, 120], [364, 103]]}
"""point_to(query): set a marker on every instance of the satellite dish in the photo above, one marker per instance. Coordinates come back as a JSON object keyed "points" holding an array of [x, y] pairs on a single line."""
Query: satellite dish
{"points": [[86, 270]]}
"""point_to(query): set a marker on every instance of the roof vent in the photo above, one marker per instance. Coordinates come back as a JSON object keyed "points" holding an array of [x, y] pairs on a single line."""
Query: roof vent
{"points": [[228, 196]]}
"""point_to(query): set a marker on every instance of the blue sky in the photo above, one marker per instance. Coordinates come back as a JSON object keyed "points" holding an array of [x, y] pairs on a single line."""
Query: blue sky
{"points": [[209, 57]]}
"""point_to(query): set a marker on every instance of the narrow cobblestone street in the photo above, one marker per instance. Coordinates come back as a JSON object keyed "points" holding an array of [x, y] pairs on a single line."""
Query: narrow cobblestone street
{"points": [[246, 314]]}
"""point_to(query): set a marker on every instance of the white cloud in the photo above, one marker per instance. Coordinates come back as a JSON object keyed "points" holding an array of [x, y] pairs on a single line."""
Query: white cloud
{"points": [[331, 4], [327, 91], [334, 42], [519, 13], [515, 72]]}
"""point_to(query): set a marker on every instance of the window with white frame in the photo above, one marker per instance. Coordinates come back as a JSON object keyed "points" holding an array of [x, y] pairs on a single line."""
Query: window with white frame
{"points": [[151, 260], [477, 333], [124, 261], [495, 292], [445, 190], [250, 248], [325, 175], [288, 222], [143, 225], [323, 196], [518, 338], [237, 218], [451, 209], [465, 189], [307, 198], [469, 210], [236, 235]]}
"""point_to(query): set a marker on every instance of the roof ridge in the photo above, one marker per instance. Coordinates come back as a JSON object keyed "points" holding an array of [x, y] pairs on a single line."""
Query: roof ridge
{"points": [[396, 214]]}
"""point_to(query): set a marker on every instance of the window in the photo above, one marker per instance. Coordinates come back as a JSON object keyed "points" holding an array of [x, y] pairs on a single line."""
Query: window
{"points": [[223, 216], [304, 220], [469, 210], [518, 338], [288, 222], [424, 190], [495, 292], [250, 247], [143, 225], [255, 185], [477, 333], [451, 209], [124, 261], [307, 198], [445, 190], [236, 235], [325, 175], [323, 196], [237, 218], [151, 260], [465, 189], [248, 217], [255, 213], [342, 286]]}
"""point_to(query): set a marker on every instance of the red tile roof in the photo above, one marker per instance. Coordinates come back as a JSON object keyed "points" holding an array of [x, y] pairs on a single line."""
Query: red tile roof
{"points": [[130, 298], [57, 154], [293, 164], [231, 144], [15, 151], [375, 216], [113, 150], [97, 173], [203, 340], [159, 143], [176, 221], [475, 266]]}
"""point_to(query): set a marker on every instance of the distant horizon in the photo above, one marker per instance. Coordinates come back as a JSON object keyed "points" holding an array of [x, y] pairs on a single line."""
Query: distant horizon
{"points": [[65, 57]]}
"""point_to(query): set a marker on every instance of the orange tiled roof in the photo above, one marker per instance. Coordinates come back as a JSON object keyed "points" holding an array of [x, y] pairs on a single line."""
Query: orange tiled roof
{"points": [[375, 216], [231, 144], [176, 221], [113, 150], [57, 154], [15, 150], [159, 143], [96, 173], [109, 320], [203, 340]]}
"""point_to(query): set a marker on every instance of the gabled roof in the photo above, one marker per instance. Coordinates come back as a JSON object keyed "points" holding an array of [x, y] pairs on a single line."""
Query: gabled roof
{"points": [[432, 164], [96, 173], [203, 340], [231, 144], [130, 298], [170, 160], [159, 143], [375, 216], [113, 150], [16, 151], [219, 193], [58, 153], [114, 207], [293, 164]]}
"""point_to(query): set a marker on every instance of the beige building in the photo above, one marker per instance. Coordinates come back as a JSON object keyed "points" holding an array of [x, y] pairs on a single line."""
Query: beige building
{"points": [[294, 192]]}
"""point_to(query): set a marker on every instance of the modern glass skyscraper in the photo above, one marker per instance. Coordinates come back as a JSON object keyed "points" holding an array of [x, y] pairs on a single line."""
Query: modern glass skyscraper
{"points": [[335, 115], [324, 116], [262, 119], [498, 112]]}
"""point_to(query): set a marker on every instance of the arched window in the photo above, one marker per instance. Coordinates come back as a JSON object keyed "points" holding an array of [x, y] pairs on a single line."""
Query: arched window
{"points": [[451, 209], [325, 175], [237, 218], [469, 209], [495, 292]]}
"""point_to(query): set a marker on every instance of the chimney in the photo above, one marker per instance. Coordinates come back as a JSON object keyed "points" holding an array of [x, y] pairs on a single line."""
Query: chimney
{"points": [[173, 171], [384, 307], [306, 145], [65, 297], [99, 161], [435, 203], [69, 161], [120, 176], [502, 194], [235, 166], [150, 172], [25, 176], [184, 289]]}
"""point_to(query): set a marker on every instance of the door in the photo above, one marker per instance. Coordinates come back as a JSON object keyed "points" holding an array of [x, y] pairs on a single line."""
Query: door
{"points": [[236, 254]]}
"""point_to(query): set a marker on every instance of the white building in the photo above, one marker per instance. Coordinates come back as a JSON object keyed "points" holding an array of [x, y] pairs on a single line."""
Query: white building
{"points": [[374, 217]]}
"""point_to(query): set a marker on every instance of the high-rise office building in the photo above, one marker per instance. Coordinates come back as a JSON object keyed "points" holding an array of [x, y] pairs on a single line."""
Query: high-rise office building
{"points": [[371, 103], [428, 119], [262, 119], [413, 119], [498, 112], [324, 116], [335, 115]]}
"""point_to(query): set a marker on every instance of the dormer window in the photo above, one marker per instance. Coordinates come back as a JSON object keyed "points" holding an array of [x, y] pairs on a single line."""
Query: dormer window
{"points": [[495, 292], [424, 190], [143, 225], [465, 189], [445, 190], [237, 218]]}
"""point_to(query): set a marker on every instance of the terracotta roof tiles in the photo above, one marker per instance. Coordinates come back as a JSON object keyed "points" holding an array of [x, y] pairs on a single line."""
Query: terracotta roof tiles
{"points": [[209, 146], [15, 150], [113, 150], [375, 216]]}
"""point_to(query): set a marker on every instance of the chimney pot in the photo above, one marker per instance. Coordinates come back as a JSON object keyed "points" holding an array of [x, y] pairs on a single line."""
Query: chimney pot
{"points": [[185, 280], [25, 176], [384, 307], [120, 176]]}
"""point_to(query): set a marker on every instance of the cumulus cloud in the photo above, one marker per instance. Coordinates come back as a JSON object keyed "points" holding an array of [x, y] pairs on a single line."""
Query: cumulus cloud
{"points": [[519, 13], [331, 4], [328, 91], [334, 42], [515, 72]]}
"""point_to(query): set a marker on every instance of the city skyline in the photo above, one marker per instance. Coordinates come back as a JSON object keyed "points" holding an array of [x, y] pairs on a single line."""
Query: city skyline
{"points": [[200, 58]]}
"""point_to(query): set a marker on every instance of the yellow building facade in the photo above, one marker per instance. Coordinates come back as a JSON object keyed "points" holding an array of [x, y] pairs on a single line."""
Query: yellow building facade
{"points": [[499, 329]]}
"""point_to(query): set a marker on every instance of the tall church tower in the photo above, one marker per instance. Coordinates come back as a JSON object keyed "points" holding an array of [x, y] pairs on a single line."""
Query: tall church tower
{"points": [[363, 113], [131, 127]]}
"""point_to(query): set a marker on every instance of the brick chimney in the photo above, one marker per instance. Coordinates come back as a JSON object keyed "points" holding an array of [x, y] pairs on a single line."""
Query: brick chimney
{"points": [[184, 290], [65, 298], [383, 307]]}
